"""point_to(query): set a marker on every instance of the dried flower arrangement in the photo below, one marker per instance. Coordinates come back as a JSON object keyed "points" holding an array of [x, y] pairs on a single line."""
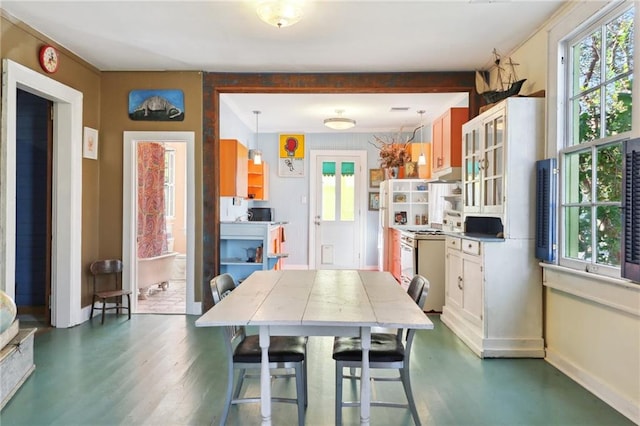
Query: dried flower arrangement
{"points": [[393, 153]]}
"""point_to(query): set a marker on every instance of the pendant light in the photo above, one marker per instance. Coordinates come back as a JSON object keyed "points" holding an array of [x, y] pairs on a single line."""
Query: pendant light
{"points": [[257, 155], [422, 160]]}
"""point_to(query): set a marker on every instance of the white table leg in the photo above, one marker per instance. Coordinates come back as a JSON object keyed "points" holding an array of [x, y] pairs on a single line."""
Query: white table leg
{"points": [[365, 383], [265, 378]]}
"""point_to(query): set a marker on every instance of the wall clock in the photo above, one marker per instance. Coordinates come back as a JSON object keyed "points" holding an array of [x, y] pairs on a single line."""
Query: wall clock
{"points": [[49, 59]]}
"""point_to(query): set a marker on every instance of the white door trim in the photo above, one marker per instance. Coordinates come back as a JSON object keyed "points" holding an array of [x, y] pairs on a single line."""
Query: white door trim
{"points": [[66, 208], [129, 197], [361, 201]]}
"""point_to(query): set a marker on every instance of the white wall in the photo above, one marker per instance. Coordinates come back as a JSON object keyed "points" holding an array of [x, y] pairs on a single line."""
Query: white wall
{"points": [[592, 324]]}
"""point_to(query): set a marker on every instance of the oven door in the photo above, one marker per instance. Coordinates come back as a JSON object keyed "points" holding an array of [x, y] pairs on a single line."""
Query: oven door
{"points": [[407, 261]]}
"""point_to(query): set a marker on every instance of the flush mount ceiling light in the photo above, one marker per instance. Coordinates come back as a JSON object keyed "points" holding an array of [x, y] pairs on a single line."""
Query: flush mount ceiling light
{"points": [[339, 122], [280, 13]]}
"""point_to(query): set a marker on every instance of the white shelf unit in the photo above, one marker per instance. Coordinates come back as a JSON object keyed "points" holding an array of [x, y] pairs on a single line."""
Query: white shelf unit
{"points": [[408, 202]]}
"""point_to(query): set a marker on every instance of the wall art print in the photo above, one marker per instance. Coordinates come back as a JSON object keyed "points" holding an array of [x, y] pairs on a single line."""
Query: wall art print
{"points": [[291, 161], [156, 105], [90, 143]]}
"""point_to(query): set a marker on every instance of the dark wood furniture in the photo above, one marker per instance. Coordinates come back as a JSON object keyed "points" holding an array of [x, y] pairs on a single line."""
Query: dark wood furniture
{"points": [[105, 271]]}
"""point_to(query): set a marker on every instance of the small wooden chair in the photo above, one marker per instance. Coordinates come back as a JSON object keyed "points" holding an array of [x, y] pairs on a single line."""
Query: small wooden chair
{"points": [[106, 268]]}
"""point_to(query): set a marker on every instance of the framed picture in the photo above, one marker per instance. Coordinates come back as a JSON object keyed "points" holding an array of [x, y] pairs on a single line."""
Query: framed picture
{"points": [[374, 201], [411, 169], [375, 177], [291, 167], [291, 155], [156, 105], [90, 143]]}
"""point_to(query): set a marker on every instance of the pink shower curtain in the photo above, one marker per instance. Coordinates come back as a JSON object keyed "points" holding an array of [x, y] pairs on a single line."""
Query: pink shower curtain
{"points": [[152, 235]]}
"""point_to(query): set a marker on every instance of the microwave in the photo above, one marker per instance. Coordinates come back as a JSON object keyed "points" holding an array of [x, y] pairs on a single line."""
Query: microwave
{"points": [[261, 214]]}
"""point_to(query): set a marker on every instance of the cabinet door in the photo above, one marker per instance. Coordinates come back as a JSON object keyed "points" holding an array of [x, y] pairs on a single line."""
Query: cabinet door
{"points": [[395, 257], [492, 163], [471, 170], [233, 168], [258, 181], [438, 144], [453, 277], [472, 286]]}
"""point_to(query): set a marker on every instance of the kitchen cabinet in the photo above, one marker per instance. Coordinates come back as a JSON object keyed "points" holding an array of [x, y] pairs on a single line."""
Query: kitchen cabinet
{"points": [[408, 202], [233, 168], [447, 142], [493, 297], [396, 253], [246, 247], [500, 149], [258, 181]]}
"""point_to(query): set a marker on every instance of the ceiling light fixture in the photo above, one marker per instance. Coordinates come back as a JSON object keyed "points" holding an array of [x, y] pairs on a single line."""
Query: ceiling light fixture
{"points": [[257, 155], [422, 160], [339, 122], [280, 13]]}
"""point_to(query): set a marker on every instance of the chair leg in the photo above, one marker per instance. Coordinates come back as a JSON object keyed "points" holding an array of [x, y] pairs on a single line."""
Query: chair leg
{"points": [[236, 394], [104, 302], [338, 407], [93, 303], [227, 402], [406, 383], [129, 305], [300, 385]]}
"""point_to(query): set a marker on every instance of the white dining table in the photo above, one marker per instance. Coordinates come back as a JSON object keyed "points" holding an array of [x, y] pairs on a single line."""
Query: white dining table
{"points": [[317, 303]]}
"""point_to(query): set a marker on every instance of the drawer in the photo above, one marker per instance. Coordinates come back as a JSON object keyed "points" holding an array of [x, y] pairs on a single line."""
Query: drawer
{"points": [[471, 247], [453, 243]]}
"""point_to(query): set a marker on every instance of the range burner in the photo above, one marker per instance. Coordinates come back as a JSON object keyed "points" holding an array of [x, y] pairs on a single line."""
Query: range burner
{"points": [[428, 232]]}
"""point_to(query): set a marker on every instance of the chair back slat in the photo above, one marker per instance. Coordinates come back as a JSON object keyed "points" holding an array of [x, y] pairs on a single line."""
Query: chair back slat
{"points": [[221, 286]]}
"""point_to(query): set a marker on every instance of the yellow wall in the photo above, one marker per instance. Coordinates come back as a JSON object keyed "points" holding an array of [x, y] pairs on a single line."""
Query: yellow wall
{"points": [[22, 44], [115, 90], [105, 107]]}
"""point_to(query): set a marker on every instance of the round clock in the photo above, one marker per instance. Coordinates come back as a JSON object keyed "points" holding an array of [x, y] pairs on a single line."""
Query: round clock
{"points": [[49, 60]]}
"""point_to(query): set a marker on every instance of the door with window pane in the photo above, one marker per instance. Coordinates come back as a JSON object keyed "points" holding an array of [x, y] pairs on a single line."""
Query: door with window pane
{"points": [[337, 213]]}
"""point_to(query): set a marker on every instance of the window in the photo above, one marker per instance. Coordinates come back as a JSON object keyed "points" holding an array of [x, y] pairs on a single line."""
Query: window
{"points": [[331, 197], [599, 80], [170, 182]]}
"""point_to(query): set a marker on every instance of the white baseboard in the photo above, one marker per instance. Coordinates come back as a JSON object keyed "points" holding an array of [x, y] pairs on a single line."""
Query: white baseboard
{"points": [[627, 407]]}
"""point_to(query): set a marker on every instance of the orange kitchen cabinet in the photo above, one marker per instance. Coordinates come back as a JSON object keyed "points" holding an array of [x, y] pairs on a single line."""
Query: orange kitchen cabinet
{"points": [[233, 168], [395, 254], [447, 139], [258, 181]]}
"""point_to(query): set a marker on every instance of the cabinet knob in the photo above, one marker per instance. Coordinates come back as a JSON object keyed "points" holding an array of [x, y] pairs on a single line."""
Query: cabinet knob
{"points": [[460, 286]]}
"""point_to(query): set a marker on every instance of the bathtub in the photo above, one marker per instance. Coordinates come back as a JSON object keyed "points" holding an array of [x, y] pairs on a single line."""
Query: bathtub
{"points": [[154, 270]]}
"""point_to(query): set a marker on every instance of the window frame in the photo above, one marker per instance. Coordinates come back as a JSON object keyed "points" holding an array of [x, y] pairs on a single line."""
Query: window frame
{"points": [[566, 125]]}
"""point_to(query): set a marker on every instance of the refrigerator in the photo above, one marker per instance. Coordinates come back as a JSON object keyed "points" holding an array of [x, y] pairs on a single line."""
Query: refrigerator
{"points": [[383, 228]]}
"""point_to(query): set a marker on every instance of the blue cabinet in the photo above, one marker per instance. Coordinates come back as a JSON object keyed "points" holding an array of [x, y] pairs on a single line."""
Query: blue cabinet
{"points": [[246, 247]]}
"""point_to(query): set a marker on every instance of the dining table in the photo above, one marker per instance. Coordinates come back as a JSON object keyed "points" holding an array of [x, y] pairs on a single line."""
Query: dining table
{"points": [[317, 303]]}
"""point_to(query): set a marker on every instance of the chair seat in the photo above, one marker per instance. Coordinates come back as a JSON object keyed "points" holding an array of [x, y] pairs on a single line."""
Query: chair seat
{"points": [[281, 349], [384, 348], [112, 293]]}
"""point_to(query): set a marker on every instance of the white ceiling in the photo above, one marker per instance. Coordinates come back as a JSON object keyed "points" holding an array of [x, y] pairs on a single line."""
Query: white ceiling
{"points": [[333, 36]]}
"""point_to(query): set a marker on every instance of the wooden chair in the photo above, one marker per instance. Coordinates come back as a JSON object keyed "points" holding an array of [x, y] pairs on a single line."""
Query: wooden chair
{"points": [[106, 269], [388, 351], [244, 354]]}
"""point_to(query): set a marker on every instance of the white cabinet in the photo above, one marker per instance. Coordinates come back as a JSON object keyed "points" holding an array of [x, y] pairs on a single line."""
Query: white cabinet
{"points": [[493, 297], [499, 151], [408, 202]]}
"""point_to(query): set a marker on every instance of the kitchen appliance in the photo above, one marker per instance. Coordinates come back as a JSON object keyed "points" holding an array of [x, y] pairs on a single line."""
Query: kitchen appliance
{"points": [[261, 214], [422, 252]]}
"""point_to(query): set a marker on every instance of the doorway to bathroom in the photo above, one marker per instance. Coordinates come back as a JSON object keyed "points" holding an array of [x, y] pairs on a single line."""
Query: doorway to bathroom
{"points": [[158, 231]]}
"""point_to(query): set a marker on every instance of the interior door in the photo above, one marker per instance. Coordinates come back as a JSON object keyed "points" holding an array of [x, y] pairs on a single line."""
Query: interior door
{"points": [[338, 212], [33, 205]]}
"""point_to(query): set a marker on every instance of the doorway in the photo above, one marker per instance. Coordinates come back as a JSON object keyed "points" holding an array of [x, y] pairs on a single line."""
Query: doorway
{"points": [[337, 202], [163, 282], [33, 208], [66, 190]]}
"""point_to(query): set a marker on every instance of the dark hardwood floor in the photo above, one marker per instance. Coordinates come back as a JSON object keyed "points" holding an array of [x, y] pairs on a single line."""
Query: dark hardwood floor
{"points": [[162, 370]]}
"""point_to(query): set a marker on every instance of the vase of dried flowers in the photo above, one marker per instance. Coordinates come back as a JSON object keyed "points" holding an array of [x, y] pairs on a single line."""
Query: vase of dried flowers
{"points": [[393, 154]]}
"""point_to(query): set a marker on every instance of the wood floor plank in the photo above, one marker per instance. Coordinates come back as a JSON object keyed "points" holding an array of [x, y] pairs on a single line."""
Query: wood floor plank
{"points": [[162, 370]]}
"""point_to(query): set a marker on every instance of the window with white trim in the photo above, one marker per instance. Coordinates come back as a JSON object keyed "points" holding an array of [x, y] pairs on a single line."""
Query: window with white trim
{"points": [[598, 98], [170, 182]]}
